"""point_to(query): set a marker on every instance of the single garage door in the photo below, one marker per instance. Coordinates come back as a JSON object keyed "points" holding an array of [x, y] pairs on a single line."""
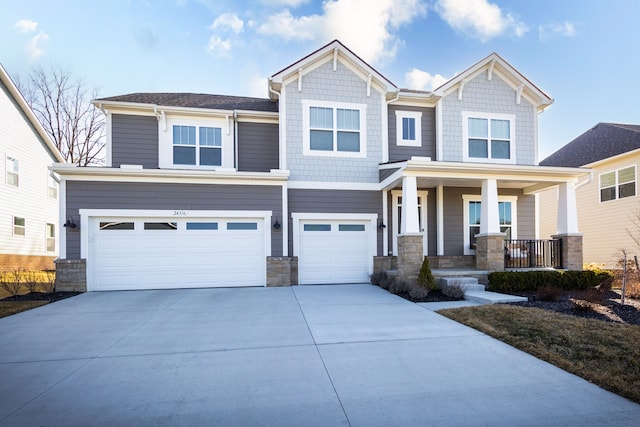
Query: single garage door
{"points": [[334, 252], [157, 253]]}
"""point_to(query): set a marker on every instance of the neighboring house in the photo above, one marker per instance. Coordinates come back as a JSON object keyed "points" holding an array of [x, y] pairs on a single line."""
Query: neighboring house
{"points": [[608, 201], [333, 176], [29, 225]]}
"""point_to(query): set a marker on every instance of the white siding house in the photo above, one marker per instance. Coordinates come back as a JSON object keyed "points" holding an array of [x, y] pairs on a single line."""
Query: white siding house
{"points": [[29, 219]]}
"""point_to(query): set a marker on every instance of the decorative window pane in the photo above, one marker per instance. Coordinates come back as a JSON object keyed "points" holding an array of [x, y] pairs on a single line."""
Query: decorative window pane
{"points": [[478, 148], [478, 128], [19, 228], [317, 227], [349, 141], [51, 238], [184, 135], [348, 119], [500, 129], [116, 226], [242, 226], [160, 226], [320, 117], [500, 149], [202, 226], [351, 227], [211, 137], [321, 140], [408, 128]]}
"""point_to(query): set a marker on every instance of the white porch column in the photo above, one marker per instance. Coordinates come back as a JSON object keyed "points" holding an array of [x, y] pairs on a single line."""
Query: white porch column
{"points": [[567, 209], [489, 215], [440, 219], [410, 223]]}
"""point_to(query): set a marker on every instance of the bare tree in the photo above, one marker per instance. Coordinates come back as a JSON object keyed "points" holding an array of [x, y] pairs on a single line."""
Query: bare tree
{"points": [[62, 106]]}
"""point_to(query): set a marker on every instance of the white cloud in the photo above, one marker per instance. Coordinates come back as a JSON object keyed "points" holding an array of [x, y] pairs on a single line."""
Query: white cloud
{"points": [[228, 21], [219, 46], [422, 80], [564, 29], [258, 87], [26, 26], [34, 47], [286, 3], [479, 19], [365, 26]]}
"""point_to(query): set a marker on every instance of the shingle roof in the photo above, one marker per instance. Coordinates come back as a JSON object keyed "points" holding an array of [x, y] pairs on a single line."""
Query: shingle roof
{"points": [[198, 100], [602, 141]]}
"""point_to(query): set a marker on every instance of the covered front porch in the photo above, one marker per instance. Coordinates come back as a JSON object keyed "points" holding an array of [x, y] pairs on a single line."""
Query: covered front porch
{"points": [[476, 211]]}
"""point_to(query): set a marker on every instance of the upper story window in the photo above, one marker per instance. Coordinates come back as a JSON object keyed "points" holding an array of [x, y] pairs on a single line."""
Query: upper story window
{"points": [[408, 128], [618, 184], [13, 171], [198, 148], [489, 137], [334, 129]]}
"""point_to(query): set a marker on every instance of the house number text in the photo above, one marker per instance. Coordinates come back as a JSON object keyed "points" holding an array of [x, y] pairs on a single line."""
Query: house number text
{"points": [[179, 213]]}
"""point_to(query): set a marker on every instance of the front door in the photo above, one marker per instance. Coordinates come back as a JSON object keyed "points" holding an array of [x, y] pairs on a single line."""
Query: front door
{"points": [[397, 218]]}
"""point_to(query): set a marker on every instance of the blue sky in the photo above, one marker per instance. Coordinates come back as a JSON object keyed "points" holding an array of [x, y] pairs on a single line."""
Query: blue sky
{"points": [[583, 54]]}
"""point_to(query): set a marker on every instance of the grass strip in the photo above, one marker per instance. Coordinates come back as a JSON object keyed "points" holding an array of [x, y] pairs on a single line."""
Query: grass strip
{"points": [[606, 354], [7, 308]]}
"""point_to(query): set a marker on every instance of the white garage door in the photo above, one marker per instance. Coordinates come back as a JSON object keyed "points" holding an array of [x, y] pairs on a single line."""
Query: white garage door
{"points": [[157, 253], [334, 252]]}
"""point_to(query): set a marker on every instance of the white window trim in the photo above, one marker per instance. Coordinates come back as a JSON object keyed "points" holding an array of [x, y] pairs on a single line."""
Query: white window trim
{"points": [[617, 184], [422, 197], [7, 171], [47, 237], [417, 115], [466, 198], [13, 226], [165, 142], [306, 143], [489, 116]]}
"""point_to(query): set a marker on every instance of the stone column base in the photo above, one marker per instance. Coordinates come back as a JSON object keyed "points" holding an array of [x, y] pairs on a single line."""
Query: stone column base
{"points": [[71, 275], [282, 271], [572, 257], [490, 252], [410, 257]]}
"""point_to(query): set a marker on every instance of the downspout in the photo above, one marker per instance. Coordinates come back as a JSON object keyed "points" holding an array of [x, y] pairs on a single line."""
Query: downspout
{"points": [[585, 182], [235, 139]]}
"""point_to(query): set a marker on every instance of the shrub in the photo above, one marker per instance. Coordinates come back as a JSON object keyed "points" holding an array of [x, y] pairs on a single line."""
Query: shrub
{"points": [[454, 291], [548, 293], [49, 282], [418, 292], [377, 277], [11, 282], [593, 295], [31, 280], [425, 278], [398, 286], [519, 281]]}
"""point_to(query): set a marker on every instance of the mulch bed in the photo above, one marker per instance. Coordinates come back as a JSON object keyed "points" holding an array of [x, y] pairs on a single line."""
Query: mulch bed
{"points": [[41, 296]]}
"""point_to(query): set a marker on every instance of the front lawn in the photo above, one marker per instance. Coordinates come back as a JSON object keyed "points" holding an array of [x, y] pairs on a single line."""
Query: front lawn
{"points": [[604, 353]]}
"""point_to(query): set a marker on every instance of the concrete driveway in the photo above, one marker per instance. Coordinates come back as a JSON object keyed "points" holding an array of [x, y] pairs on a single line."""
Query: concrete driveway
{"points": [[312, 355]]}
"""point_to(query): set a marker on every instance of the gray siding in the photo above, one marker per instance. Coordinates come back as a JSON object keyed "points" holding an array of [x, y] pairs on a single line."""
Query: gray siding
{"points": [[428, 124], [335, 201], [258, 147], [385, 173], [432, 223], [116, 195], [134, 141], [454, 216]]}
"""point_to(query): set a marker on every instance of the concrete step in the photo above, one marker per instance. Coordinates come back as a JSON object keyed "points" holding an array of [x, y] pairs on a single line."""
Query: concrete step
{"points": [[467, 284], [484, 297]]}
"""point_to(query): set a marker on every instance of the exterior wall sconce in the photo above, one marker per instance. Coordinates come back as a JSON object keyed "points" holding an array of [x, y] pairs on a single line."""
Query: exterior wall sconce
{"points": [[69, 223], [276, 225], [381, 226]]}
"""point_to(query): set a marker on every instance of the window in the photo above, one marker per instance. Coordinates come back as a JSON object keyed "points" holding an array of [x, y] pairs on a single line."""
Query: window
{"points": [[202, 226], [160, 225], [506, 212], [19, 228], [13, 171], [351, 227], [53, 188], [201, 148], [317, 227], [334, 129], [116, 226], [408, 128], [242, 226], [618, 184], [489, 137], [51, 238]]}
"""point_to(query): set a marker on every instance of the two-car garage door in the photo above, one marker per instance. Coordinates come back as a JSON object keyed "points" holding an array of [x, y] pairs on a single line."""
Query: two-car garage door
{"points": [[170, 252]]}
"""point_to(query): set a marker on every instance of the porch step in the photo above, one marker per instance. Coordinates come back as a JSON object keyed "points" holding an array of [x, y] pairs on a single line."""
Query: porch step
{"points": [[484, 297], [392, 273], [467, 284]]}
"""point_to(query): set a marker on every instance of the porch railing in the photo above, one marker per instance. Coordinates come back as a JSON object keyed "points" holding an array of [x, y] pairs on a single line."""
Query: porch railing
{"points": [[522, 253]]}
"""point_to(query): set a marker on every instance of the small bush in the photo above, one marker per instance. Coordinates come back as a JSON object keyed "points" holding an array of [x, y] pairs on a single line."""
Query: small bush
{"points": [[425, 278], [49, 282], [454, 291], [593, 295], [398, 286], [31, 280], [519, 281], [418, 292], [11, 282], [377, 277], [548, 293]]}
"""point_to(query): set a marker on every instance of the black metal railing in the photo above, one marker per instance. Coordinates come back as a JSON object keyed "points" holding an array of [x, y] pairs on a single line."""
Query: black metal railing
{"points": [[526, 253]]}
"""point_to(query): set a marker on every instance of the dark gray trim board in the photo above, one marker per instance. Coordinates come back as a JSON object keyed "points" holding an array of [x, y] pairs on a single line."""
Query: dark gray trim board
{"points": [[123, 195]]}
